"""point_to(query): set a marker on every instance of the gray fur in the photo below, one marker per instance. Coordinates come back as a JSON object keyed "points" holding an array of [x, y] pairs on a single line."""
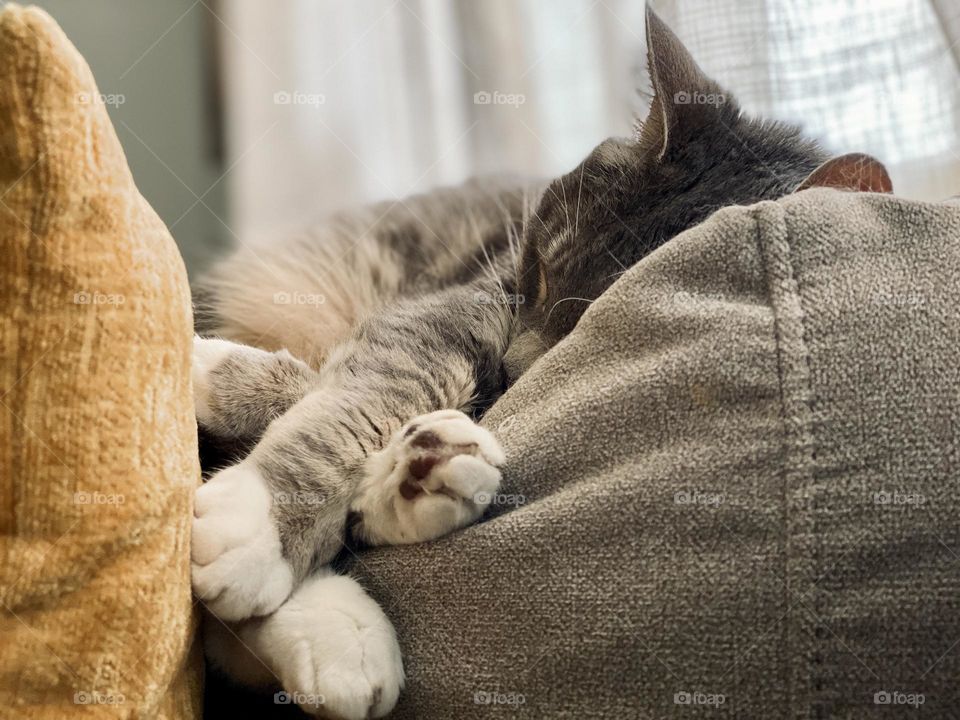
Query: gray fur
{"points": [[249, 391], [456, 290], [630, 197], [373, 385]]}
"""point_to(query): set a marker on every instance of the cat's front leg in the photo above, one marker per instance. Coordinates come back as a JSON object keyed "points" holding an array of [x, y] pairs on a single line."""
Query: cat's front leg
{"points": [[436, 475], [345, 447], [238, 390], [329, 647], [238, 568], [261, 525]]}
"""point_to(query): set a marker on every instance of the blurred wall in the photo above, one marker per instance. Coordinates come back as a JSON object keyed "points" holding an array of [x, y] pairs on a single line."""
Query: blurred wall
{"points": [[153, 65]]}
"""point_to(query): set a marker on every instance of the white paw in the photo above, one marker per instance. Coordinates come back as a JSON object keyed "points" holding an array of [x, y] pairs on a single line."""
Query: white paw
{"points": [[333, 650], [238, 568], [438, 474], [207, 354]]}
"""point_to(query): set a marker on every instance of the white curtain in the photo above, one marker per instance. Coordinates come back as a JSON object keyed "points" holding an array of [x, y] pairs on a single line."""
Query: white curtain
{"points": [[332, 103]]}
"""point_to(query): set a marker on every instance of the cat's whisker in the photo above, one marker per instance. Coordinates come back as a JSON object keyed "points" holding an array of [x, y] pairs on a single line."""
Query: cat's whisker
{"points": [[533, 202], [562, 201], [561, 300], [513, 243], [566, 206], [486, 266], [529, 209], [576, 228], [537, 216]]}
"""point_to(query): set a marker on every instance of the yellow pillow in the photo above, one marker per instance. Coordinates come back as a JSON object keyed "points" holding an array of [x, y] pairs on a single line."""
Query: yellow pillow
{"points": [[98, 455]]}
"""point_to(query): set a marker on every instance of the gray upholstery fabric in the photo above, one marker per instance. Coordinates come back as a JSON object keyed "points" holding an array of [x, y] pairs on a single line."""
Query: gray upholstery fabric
{"points": [[739, 479]]}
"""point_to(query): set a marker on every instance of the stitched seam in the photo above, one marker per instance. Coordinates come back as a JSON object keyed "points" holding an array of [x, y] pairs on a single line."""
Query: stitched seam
{"points": [[793, 370], [817, 710]]}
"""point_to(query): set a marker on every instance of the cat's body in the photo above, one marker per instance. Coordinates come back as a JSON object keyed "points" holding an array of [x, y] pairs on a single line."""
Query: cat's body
{"points": [[399, 310], [308, 293], [391, 313], [401, 322]]}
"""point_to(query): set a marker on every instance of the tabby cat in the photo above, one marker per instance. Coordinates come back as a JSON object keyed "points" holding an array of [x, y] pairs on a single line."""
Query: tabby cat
{"points": [[351, 361]]}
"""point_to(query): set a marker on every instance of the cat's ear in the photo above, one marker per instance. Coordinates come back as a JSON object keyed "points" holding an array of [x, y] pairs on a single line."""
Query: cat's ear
{"points": [[853, 171], [684, 98]]}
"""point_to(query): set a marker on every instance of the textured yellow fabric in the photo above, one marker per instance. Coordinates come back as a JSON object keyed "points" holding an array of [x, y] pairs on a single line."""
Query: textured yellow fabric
{"points": [[98, 456]]}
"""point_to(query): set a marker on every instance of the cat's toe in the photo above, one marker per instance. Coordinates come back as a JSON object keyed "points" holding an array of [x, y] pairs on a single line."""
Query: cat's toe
{"points": [[438, 474], [238, 569], [334, 651]]}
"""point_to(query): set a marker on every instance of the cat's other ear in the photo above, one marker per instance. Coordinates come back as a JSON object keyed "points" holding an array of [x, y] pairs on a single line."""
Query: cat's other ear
{"points": [[853, 171], [684, 98]]}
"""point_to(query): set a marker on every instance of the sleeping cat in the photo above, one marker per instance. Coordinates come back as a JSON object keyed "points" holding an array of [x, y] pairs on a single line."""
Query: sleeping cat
{"points": [[352, 360]]}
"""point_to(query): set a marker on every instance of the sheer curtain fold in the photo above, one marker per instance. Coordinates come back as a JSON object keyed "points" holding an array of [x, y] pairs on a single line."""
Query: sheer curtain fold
{"points": [[332, 103]]}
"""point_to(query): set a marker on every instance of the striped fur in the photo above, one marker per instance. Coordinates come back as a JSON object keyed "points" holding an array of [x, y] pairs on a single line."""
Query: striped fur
{"points": [[363, 346]]}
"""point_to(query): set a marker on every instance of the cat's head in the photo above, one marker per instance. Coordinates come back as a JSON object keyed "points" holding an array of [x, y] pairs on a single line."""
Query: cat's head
{"points": [[694, 153]]}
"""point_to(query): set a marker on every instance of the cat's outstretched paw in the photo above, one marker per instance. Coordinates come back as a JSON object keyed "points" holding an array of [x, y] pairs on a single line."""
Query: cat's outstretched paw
{"points": [[238, 569], [335, 651], [329, 646], [238, 390], [208, 354], [438, 474]]}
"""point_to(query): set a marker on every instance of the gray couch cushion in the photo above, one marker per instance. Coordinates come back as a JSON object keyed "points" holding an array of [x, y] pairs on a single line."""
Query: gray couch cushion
{"points": [[734, 484]]}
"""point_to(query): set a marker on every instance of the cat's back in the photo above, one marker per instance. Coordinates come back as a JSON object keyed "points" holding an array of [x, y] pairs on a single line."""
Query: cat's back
{"points": [[307, 291]]}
